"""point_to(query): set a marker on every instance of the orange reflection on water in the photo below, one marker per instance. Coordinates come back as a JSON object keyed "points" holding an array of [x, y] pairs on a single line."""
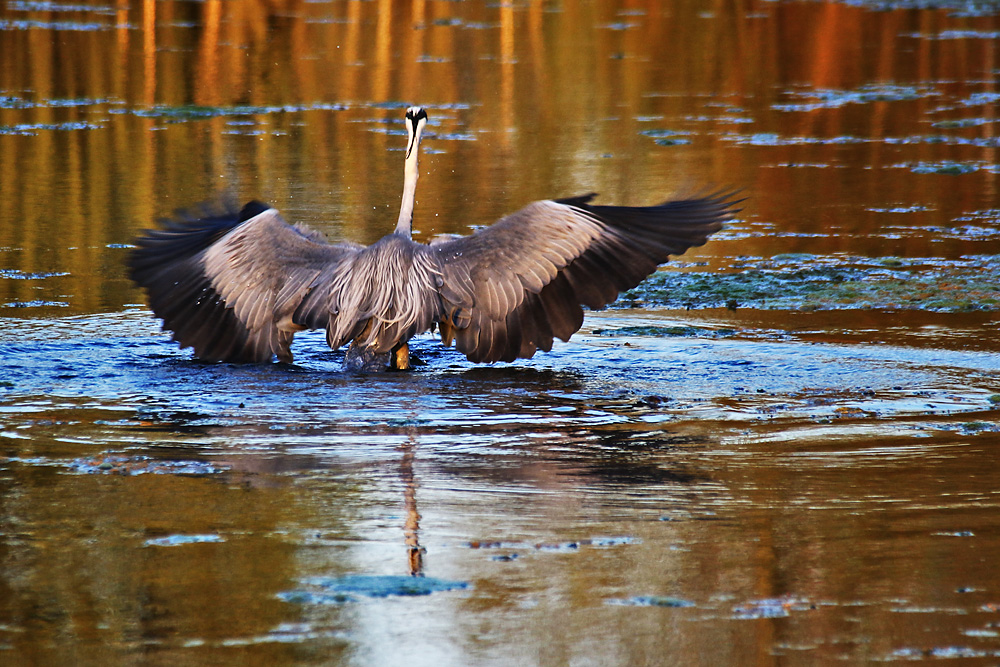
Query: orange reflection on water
{"points": [[536, 101]]}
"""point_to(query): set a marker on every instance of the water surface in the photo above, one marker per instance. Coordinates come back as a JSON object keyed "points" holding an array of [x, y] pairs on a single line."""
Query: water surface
{"points": [[780, 449]]}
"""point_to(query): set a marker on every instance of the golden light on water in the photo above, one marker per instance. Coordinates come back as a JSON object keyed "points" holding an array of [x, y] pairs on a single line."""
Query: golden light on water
{"points": [[797, 475]]}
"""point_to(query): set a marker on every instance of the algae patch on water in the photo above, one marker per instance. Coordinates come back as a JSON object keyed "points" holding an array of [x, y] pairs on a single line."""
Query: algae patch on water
{"points": [[200, 112], [825, 98], [808, 282], [651, 601], [967, 8], [667, 332], [664, 137], [348, 588], [179, 540], [141, 465]]}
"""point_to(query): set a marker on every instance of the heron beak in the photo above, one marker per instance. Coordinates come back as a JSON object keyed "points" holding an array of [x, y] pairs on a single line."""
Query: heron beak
{"points": [[416, 118]]}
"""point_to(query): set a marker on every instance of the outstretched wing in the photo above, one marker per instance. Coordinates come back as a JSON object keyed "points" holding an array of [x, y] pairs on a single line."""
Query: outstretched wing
{"points": [[512, 287], [236, 286]]}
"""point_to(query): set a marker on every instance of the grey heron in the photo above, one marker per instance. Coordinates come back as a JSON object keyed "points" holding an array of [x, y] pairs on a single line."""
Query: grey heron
{"points": [[237, 286]]}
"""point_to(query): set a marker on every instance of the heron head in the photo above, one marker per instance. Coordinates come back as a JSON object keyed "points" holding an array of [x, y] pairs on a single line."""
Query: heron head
{"points": [[416, 118]]}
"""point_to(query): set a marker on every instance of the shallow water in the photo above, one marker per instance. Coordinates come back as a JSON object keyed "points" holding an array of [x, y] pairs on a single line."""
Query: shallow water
{"points": [[781, 449]]}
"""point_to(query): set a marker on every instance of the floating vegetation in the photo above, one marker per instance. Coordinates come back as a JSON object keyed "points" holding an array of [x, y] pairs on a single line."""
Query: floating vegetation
{"points": [[975, 428], [455, 136], [981, 99], [822, 98], [338, 590], [17, 274], [806, 282], [611, 541], [31, 129], [141, 465], [915, 208], [947, 167], [957, 7], [45, 6], [193, 111], [959, 34], [774, 139], [198, 112], [389, 104], [35, 303], [771, 608], [942, 652], [971, 428], [14, 102], [558, 546], [664, 137], [732, 120], [619, 25], [803, 165], [963, 122], [10, 102], [55, 25], [990, 214], [651, 601], [178, 540], [659, 133], [964, 232], [666, 332]]}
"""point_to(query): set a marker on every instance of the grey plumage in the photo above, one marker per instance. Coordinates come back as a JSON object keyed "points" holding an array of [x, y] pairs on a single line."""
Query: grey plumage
{"points": [[236, 286]]}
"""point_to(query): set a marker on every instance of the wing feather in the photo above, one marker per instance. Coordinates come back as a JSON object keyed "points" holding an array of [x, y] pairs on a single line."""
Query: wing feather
{"points": [[524, 279], [236, 286], [229, 284], [561, 306]]}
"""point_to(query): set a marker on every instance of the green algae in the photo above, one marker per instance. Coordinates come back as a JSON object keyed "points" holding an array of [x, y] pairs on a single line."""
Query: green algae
{"points": [[962, 123], [349, 588], [675, 141], [804, 282], [652, 601], [31, 129], [194, 111], [947, 167], [968, 8], [826, 98], [178, 540], [665, 137], [201, 112], [667, 332]]}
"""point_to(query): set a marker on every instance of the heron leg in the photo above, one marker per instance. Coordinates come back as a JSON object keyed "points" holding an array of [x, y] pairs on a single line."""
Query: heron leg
{"points": [[447, 330], [285, 346], [400, 358]]}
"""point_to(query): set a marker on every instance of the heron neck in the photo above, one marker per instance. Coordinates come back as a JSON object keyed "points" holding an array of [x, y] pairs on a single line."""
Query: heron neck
{"points": [[403, 225]]}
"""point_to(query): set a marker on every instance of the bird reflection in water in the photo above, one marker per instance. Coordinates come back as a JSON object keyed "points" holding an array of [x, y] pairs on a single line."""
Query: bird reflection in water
{"points": [[411, 526]]}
